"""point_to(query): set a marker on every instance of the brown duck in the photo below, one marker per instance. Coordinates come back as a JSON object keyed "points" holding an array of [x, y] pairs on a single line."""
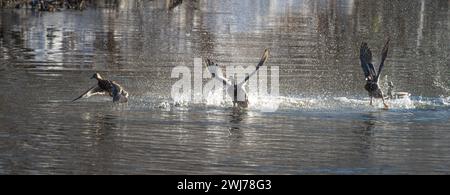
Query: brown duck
{"points": [[104, 87]]}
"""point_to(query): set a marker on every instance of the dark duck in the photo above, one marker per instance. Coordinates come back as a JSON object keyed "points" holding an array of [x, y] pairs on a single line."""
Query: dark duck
{"points": [[372, 76], [105, 87], [236, 90]]}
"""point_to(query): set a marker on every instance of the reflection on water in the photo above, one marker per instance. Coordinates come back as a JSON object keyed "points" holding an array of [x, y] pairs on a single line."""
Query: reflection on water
{"points": [[324, 124], [236, 117]]}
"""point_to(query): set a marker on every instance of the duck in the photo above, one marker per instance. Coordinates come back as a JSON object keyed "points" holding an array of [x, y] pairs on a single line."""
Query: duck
{"points": [[105, 87], [391, 94], [236, 90], [371, 75]]}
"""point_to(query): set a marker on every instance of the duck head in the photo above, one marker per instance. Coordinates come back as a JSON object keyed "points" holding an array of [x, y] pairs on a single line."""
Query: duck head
{"points": [[96, 76]]}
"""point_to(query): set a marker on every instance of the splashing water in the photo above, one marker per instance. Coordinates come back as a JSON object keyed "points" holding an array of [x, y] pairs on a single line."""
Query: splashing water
{"points": [[437, 82], [281, 103]]}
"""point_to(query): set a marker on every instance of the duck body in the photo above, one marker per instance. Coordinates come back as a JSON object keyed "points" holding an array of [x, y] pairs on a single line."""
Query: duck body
{"points": [[113, 89], [373, 89], [238, 95]]}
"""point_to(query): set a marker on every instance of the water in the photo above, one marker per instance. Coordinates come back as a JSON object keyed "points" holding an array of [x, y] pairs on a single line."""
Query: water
{"points": [[324, 124]]}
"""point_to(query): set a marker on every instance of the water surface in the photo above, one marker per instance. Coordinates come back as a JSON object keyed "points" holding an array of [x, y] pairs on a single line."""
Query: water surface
{"points": [[324, 124]]}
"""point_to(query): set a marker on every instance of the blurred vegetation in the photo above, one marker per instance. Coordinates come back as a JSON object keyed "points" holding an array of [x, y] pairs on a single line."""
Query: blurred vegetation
{"points": [[45, 5]]}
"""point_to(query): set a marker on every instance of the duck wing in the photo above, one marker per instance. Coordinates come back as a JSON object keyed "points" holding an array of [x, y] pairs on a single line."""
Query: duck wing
{"points": [[383, 58], [118, 93], [365, 55], [216, 73], [264, 58], [95, 90]]}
